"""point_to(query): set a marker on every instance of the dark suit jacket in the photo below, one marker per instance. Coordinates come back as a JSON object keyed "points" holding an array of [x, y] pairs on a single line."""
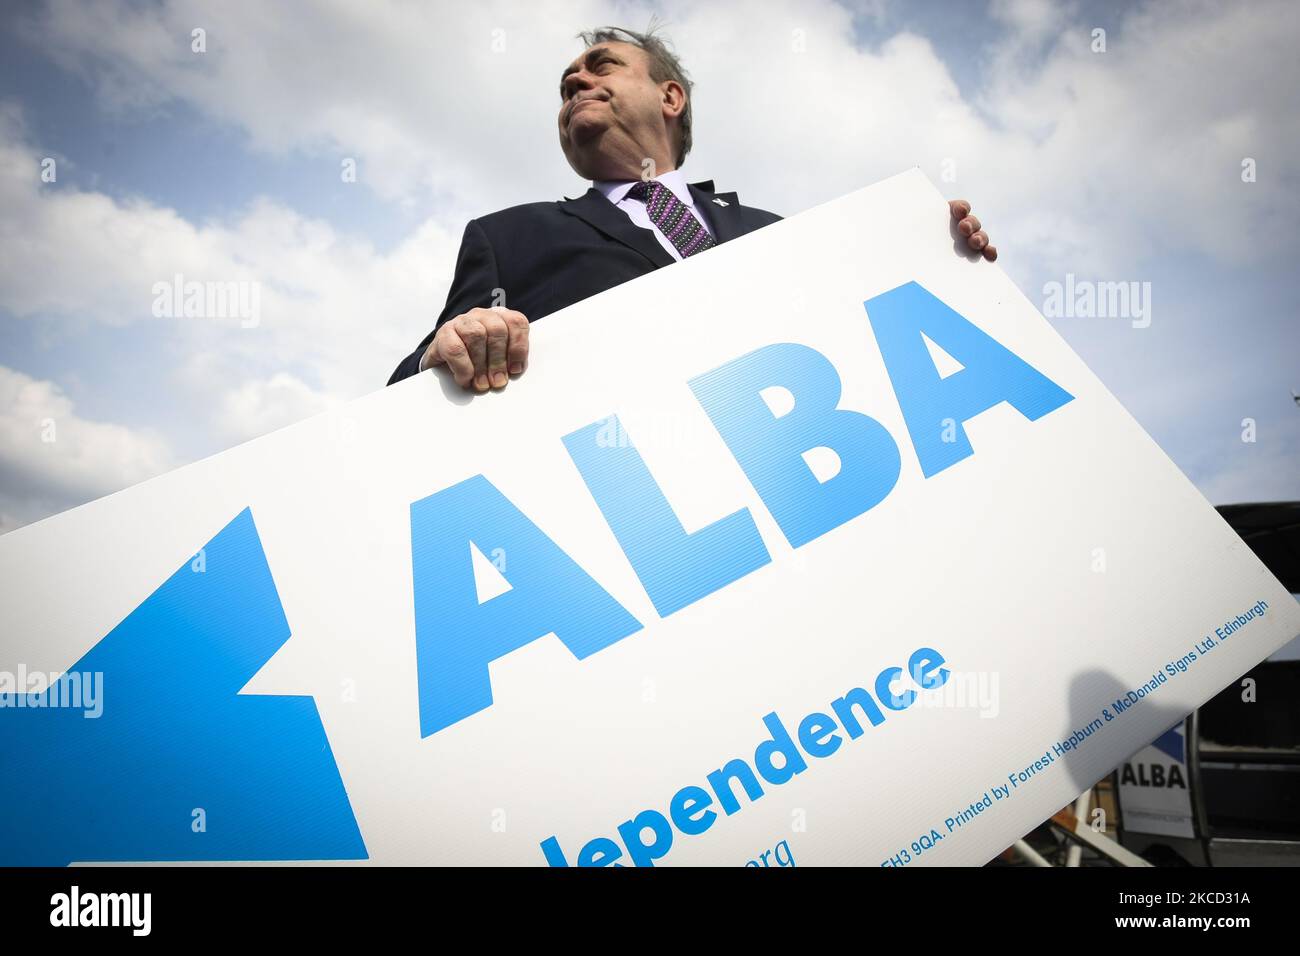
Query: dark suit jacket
{"points": [[548, 255]]}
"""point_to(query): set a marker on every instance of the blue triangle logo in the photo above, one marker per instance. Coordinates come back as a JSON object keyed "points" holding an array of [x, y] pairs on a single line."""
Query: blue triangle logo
{"points": [[177, 765]]}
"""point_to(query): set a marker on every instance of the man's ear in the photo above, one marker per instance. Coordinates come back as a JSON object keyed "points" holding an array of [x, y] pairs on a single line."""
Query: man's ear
{"points": [[673, 98]]}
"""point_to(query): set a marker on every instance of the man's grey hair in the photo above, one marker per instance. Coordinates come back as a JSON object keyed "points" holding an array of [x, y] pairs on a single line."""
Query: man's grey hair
{"points": [[664, 65]]}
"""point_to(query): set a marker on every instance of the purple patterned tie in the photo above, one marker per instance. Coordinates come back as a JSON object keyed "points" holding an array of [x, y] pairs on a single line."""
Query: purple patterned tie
{"points": [[673, 217]]}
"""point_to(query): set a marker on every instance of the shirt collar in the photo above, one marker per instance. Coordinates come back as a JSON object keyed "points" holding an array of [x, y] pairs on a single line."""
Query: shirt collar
{"points": [[616, 190]]}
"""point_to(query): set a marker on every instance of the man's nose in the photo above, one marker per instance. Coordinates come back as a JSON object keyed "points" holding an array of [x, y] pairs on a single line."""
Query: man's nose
{"points": [[576, 82]]}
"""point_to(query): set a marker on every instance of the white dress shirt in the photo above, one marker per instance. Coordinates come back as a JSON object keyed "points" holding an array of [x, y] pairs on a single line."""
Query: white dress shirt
{"points": [[617, 193]]}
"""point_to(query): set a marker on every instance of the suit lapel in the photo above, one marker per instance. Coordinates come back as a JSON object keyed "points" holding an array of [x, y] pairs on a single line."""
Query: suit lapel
{"points": [[598, 212], [601, 214], [723, 215]]}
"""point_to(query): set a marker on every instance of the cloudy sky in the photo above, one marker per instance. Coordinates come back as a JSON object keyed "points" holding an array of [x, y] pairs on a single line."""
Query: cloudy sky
{"points": [[126, 158]]}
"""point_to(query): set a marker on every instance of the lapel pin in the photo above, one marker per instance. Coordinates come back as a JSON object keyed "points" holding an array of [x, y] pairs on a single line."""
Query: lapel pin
{"points": [[722, 202]]}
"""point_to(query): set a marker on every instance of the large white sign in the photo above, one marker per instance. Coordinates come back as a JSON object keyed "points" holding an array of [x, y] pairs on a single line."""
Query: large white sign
{"points": [[819, 548]]}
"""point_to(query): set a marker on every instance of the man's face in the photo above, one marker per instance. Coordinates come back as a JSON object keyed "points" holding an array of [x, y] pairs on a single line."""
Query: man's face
{"points": [[611, 112]]}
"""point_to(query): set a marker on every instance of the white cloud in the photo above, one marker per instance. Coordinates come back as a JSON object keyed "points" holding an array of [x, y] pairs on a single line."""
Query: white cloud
{"points": [[331, 305], [257, 407], [51, 458], [335, 316], [425, 96]]}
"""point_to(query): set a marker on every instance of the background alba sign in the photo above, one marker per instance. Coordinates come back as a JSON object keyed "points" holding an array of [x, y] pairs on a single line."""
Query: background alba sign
{"points": [[705, 586]]}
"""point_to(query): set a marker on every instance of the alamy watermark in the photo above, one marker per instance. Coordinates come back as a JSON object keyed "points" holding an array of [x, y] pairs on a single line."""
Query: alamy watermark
{"points": [[77, 690], [1085, 299], [963, 690], [236, 299]]}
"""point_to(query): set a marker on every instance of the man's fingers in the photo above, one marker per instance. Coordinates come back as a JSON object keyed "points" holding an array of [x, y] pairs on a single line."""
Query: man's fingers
{"points": [[430, 357], [970, 227], [452, 352], [517, 351], [498, 338], [472, 333], [482, 347]]}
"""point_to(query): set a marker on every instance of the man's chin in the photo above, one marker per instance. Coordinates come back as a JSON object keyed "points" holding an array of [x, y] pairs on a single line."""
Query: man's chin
{"points": [[585, 129], [583, 151]]}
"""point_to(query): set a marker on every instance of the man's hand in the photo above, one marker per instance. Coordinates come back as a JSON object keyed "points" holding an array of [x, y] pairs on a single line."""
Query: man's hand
{"points": [[482, 347], [969, 227]]}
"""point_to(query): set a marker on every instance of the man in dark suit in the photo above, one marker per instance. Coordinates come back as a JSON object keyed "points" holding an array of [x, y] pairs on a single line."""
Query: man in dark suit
{"points": [[625, 124]]}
